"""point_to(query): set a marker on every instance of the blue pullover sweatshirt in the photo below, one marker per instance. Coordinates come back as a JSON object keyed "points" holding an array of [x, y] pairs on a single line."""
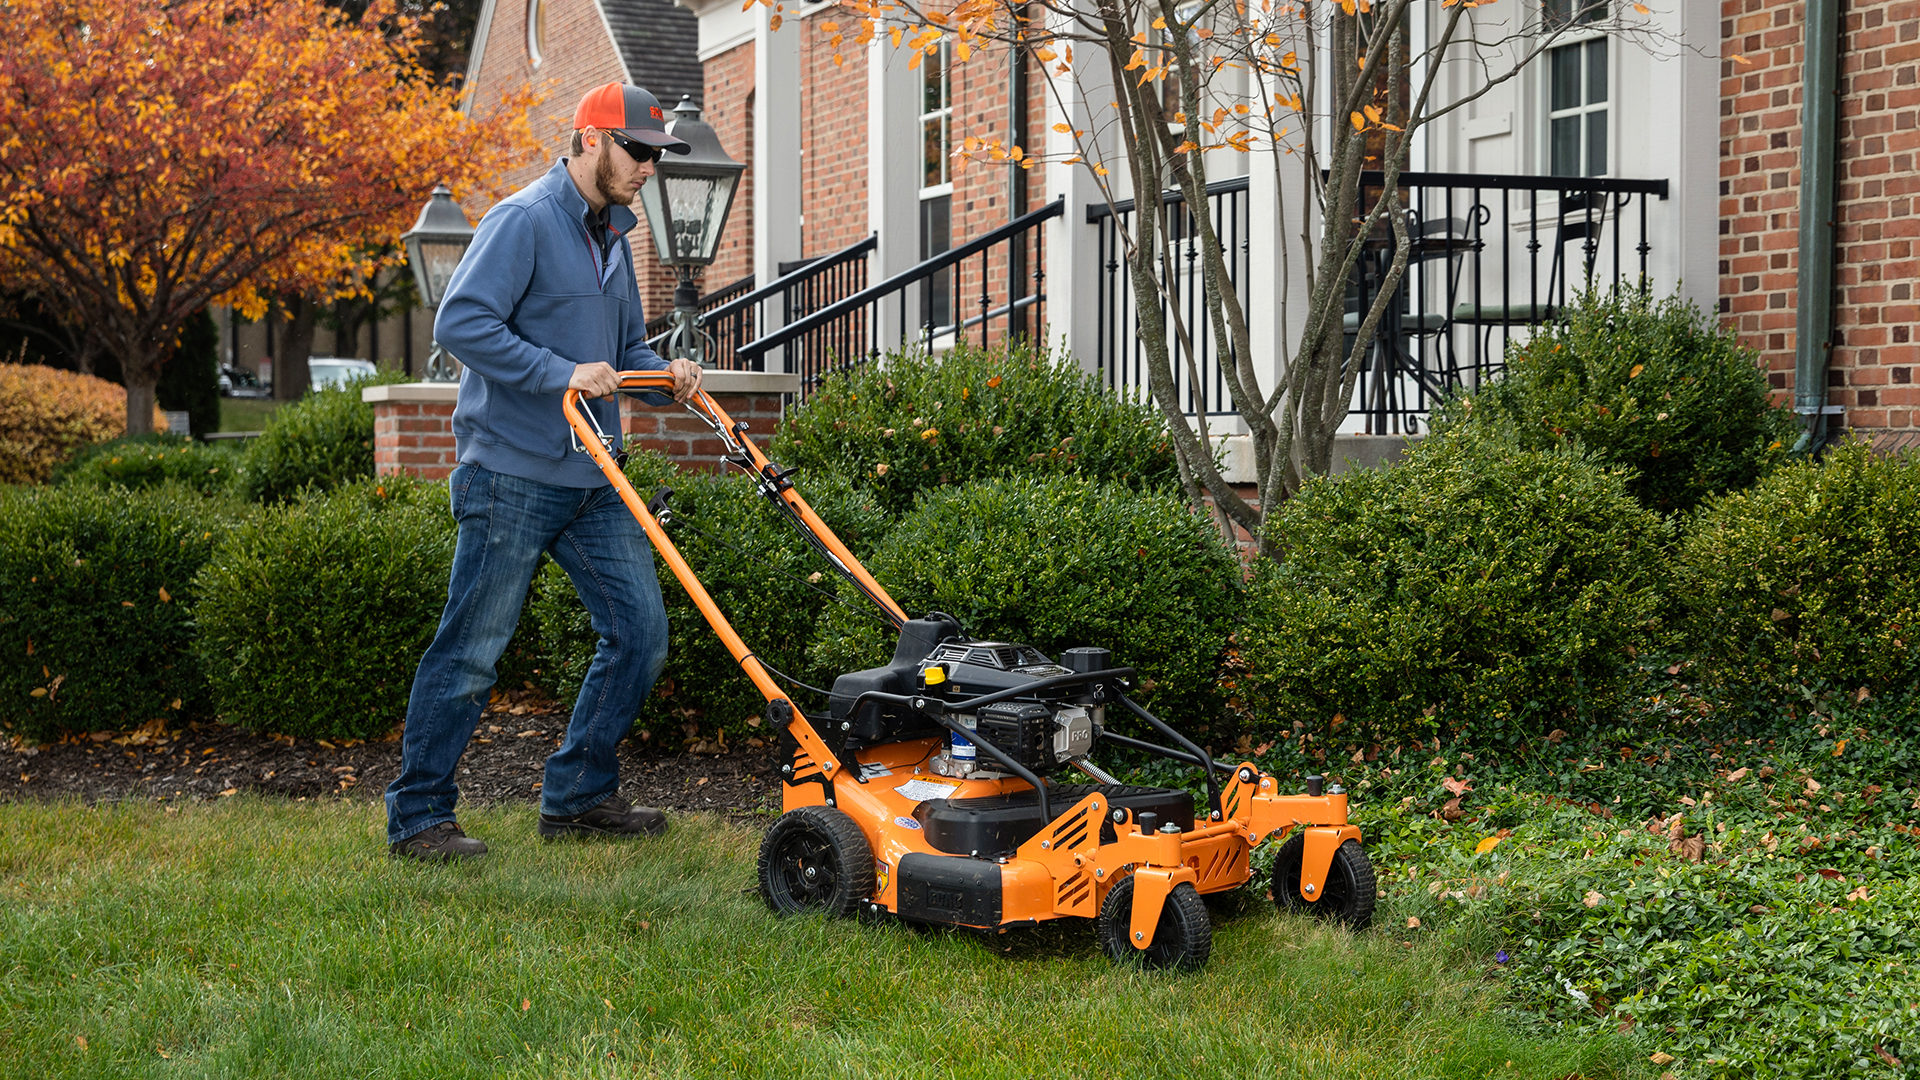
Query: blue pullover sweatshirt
{"points": [[537, 294]]}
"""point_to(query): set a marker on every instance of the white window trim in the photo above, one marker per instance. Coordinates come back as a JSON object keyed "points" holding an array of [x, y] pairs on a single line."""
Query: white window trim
{"points": [[534, 52], [1548, 113]]}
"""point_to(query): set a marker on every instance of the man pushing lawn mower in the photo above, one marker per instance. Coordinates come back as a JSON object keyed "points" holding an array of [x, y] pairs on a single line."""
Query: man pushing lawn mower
{"points": [[545, 301]]}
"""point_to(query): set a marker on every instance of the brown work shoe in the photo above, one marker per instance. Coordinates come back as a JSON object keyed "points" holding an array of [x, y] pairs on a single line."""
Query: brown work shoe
{"points": [[439, 843], [611, 817]]}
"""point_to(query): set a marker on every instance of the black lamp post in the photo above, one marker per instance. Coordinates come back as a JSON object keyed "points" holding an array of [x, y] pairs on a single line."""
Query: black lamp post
{"points": [[687, 205], [434, 247]]}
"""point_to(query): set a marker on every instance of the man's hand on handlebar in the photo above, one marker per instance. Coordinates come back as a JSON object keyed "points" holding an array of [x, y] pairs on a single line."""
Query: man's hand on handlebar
{"points": [[602, 381], [686, 379], [594, 380]]}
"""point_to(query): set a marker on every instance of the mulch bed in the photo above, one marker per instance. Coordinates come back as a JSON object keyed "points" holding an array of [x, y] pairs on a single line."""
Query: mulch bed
{"points": [[504, 763]]}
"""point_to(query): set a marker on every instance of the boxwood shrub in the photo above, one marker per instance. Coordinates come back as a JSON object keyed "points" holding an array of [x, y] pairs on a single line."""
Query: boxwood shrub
{"points": [[141, 461], [315, 614], [913, 423], [1478, 591], [1812, 577], [1057, 562], [1649, 384], [97, 601], [756, 567], [319, 442]]}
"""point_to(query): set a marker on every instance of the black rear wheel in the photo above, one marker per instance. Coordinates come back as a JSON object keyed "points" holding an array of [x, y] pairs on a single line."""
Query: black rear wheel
{"points": [[1349, 893], [1182, 940], [815, 859]]}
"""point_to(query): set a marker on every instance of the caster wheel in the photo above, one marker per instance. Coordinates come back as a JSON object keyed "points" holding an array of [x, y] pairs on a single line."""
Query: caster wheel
{"points": [[815, 859], [1349, 892], [1181, 941]]}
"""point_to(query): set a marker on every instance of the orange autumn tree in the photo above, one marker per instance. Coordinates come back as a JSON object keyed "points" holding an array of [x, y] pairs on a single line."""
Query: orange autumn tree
{"points": [[156, 158]]}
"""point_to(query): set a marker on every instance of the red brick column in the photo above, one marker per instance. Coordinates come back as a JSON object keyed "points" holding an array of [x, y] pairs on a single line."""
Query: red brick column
{"points": [[413, 422], [751, 396], [412, 428]]}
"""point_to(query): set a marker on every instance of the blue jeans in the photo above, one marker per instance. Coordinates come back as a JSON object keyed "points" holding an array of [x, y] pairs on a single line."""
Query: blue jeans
{"points": [[505, 523]]}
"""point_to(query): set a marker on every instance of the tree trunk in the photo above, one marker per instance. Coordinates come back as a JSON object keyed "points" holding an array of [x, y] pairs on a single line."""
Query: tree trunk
{"points": [[141, 374], [296, 346]]}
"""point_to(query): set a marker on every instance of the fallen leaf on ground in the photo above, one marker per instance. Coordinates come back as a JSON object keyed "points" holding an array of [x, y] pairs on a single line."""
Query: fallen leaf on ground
{"points": [[1486, 845], [1594, 899], [1456, 787], [1690, 848], [1858, 894], [525, 1004], [1661, 1057], [1451, 811], [1413, 923], [1737, 775]]}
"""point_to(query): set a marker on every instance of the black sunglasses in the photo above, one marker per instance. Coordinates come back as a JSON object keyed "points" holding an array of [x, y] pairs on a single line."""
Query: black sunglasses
{"points": [[638, 151]]}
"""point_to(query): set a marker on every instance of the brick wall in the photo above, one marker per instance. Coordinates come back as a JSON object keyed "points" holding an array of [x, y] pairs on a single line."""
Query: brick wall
{"points": [[833, 139], [412, 429], [687, 441], [1871, 368], [578, 57], [729, 108]]}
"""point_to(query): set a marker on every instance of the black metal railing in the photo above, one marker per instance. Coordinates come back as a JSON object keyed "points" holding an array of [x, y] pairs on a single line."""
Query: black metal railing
{"points": [[1490, 257], [736, 316], [1119, 355], [859, 327]]}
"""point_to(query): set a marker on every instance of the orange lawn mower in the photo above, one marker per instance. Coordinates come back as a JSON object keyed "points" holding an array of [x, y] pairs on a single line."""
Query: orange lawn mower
{"points": [[924, 791]]}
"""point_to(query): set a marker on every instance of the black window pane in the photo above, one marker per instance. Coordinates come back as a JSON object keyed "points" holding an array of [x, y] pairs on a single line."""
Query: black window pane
{"points": [[1565, 145], [1596, 71], [1597, 143], [1565, 78], [1592, 11], [932, 82], [1557, 13], [936, 236]]}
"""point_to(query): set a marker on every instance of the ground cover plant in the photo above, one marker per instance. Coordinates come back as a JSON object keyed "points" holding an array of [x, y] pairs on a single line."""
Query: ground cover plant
{"points": [[269, 938], [1730, 883]]}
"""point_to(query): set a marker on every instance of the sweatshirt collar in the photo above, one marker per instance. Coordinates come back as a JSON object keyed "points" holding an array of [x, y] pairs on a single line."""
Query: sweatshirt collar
{"points": [[619, 218]]}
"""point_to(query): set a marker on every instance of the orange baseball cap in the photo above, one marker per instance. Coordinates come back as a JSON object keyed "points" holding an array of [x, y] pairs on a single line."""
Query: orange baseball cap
{"points": [[629, 111]]}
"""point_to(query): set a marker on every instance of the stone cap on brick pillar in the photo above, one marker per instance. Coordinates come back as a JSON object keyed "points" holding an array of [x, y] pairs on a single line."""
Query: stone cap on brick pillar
{"points": [[412, 393]]}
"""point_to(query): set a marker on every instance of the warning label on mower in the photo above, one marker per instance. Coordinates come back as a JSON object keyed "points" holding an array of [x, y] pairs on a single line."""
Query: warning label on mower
{"points": [[922, 790]]}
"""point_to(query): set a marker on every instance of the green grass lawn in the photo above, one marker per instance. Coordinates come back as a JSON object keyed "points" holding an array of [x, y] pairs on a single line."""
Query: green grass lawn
{"points": [[245, 414], [263, 938]]}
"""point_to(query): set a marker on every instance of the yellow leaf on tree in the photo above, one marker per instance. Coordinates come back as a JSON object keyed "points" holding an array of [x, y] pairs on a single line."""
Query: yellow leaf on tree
{"points": [[1160, 23], [1359, 122], [1044, 54], [1063, 128], [773, 24]]}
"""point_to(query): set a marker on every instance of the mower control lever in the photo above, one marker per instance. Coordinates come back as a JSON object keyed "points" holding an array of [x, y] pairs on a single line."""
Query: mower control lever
{"points": [[658, 507]]}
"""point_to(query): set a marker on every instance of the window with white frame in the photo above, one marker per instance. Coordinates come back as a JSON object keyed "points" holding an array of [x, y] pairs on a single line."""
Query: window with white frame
{"points": [[1577, 91], [936, 178]]}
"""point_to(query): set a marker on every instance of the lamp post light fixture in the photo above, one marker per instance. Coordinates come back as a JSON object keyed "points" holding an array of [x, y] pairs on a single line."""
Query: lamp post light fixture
{"points": [[687, 205], [435, 245]]}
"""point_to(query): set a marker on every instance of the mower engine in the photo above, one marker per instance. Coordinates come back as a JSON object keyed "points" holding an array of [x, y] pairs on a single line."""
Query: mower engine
{"points": [[1040, 731]]}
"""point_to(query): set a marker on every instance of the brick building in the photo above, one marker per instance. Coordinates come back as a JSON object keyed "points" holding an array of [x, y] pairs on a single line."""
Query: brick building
{"points": [[1691, 159]]}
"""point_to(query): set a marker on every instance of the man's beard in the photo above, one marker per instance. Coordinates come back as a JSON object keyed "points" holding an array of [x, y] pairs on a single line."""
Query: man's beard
{"points": [[603, 181]]}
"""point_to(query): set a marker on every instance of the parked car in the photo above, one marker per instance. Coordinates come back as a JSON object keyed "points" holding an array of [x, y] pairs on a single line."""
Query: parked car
{"points": [[326, 371], [236, 381]]}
